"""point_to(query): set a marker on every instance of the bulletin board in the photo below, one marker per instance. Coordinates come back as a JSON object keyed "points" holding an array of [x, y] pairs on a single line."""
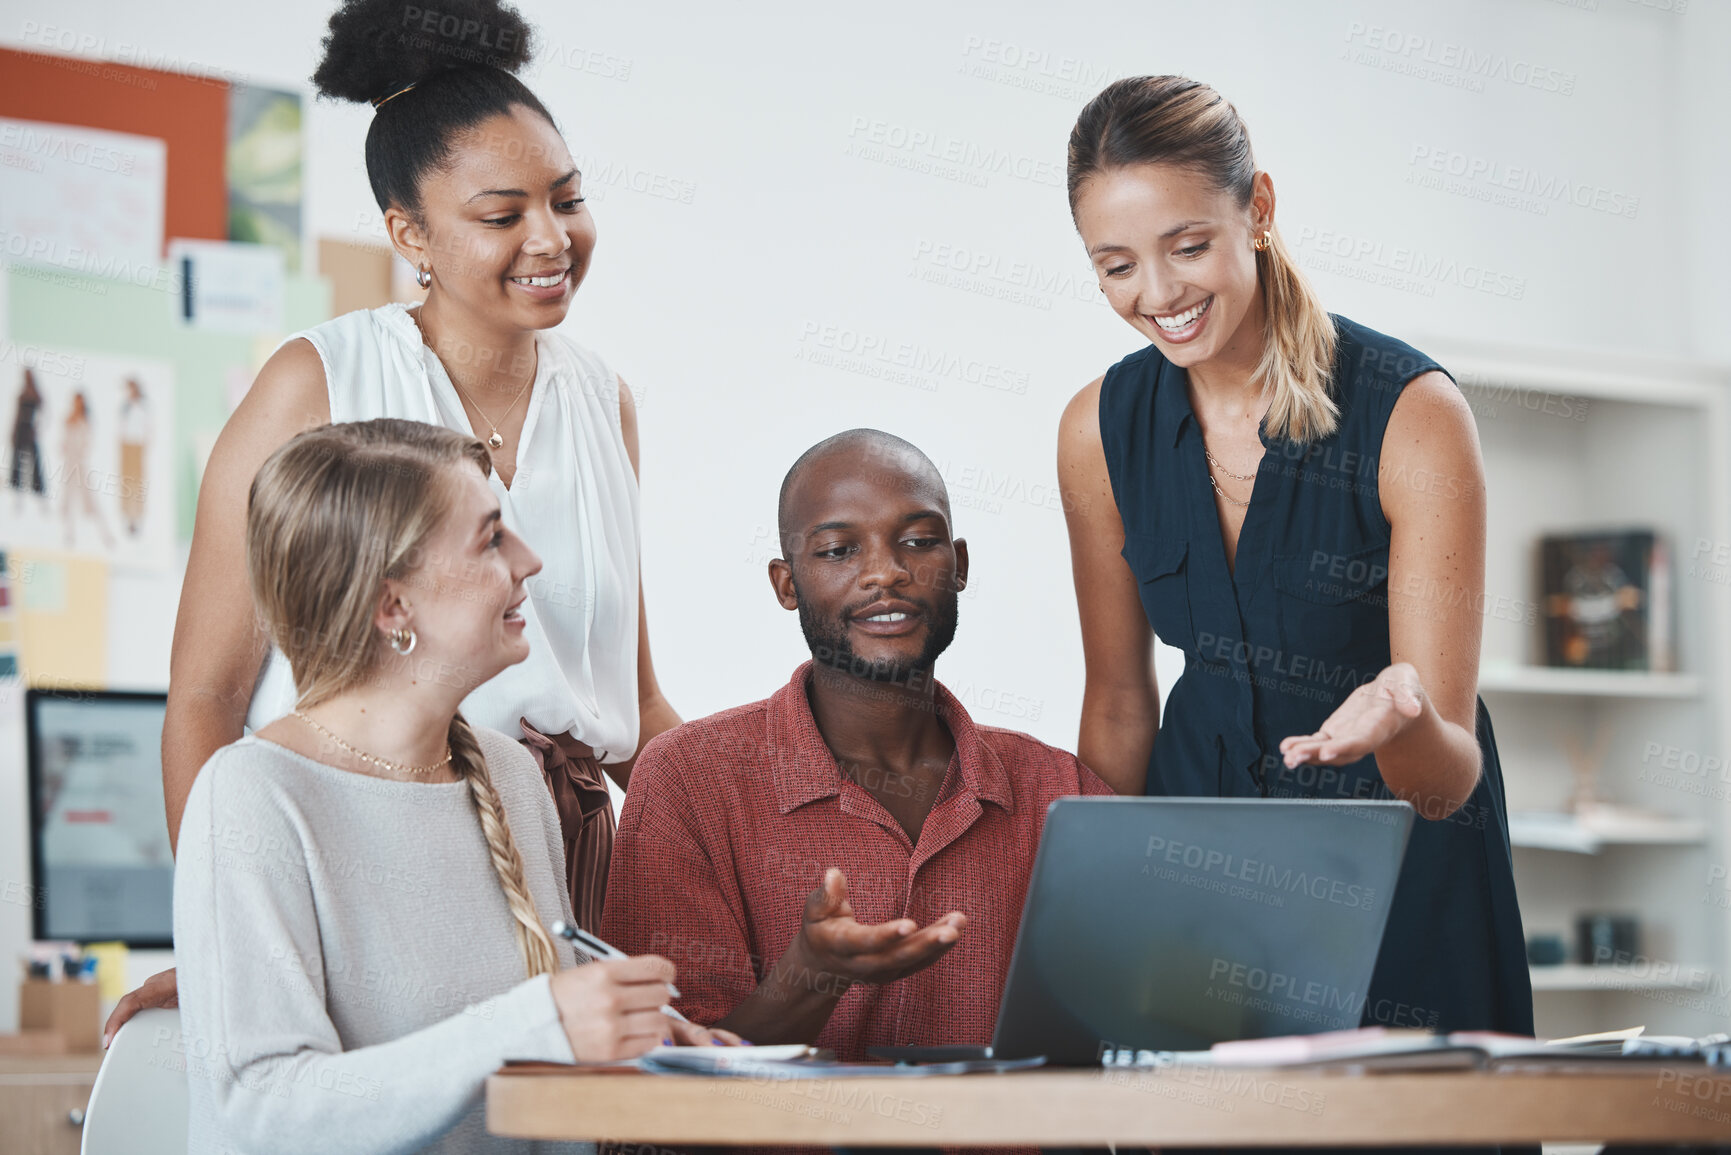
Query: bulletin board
{"points": [[190, 113], [223, 179]]}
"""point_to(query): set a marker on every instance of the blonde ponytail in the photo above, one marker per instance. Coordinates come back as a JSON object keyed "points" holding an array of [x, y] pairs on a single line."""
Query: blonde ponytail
{"points": [[471, 766], [1298, 354], [1178, 121]]}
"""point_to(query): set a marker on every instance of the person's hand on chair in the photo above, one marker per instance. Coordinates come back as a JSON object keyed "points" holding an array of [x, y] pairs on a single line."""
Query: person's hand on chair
{"points": [[158, 991]]}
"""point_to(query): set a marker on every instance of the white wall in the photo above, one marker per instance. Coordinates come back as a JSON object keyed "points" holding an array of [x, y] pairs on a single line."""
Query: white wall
{"points": [[1700, 128], [711, 308]]}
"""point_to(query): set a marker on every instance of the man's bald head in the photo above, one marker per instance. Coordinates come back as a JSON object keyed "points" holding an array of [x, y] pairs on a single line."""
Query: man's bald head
{"points": [[869, 557], [853, 456]]}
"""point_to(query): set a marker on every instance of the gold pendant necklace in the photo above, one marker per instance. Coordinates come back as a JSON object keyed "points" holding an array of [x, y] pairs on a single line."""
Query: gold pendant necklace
{"points": [[495, 440]]}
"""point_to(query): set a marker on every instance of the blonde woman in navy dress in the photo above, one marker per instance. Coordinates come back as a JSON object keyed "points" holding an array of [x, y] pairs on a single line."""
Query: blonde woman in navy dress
{"points": [[1297, 502]]}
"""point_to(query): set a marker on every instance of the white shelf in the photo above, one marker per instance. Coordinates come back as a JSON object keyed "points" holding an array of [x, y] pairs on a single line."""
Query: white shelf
{"points": [[1577, 440], [1548, 831], [1510, 679], [1500, 379], [1580, 977]]}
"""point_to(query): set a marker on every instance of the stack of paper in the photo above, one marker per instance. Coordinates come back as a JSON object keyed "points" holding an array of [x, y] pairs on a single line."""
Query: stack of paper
{"points": [[1380, 1048]]}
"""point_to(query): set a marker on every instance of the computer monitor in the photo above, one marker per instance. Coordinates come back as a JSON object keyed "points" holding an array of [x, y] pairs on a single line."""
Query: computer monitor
{"points": [[98, 836]]}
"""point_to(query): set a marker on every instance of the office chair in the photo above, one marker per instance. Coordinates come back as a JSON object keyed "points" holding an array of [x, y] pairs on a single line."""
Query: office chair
{"points": [[138, 1105]]}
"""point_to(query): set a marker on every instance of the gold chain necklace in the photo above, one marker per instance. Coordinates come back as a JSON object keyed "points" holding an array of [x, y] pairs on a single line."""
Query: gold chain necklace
{"points": [[1224, 494], [1216, 464], [383, 763], [1229, 473]]}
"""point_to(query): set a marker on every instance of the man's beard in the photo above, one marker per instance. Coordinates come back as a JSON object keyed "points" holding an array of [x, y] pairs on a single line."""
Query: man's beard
{"points": [[830, 646]]}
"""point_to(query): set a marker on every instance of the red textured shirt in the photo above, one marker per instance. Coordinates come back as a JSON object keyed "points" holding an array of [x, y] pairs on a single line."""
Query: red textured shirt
{"points": [[731, 821]]}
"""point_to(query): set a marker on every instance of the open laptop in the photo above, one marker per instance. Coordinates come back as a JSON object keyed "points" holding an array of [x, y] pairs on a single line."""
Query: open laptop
{"points": [[1171, 924]]}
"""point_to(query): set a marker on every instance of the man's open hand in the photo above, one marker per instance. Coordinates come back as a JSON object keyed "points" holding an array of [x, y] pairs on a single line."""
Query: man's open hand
{"points": [[831, 942]]}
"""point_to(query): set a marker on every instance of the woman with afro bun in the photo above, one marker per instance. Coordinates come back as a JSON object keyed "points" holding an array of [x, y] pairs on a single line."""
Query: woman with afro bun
{"points": [[480, 195]]}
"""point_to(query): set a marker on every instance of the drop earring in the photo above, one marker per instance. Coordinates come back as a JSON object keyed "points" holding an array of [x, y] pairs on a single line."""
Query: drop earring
{"points": [[423, 276]]}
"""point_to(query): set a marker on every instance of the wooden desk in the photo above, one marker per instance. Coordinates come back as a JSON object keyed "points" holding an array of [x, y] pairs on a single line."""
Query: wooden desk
{"points": [[38, 1094], [1178, 1106]]}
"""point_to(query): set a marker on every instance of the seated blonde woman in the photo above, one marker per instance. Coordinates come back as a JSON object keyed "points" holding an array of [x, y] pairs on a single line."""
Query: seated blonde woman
{"points": [[363, 886]]}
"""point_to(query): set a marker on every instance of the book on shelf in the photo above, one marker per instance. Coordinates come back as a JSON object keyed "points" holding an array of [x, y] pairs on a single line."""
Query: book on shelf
{"points": [[1607, 600]]}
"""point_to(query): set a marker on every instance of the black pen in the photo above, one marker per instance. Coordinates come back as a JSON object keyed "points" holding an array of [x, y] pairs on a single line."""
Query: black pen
{"points": [[599, 948]]}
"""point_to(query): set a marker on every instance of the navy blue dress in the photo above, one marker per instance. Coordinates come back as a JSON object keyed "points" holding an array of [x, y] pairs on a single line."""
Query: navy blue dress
{"points": [[1272, 648]]}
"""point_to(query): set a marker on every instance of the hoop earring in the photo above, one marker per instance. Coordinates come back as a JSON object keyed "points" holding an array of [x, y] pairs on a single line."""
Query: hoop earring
{"points": [[1261, 244], [403, 640], [423, 276]]}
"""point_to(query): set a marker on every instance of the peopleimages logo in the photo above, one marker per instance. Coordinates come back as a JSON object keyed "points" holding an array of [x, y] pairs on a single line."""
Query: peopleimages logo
{"points": [[600, 176], [1036, 62], [91, 45], [1268, 660], [994, 275], [1283, 985], [1401, 261], [43, 360], [874, 139], [913, 356], [63, 146], [1259, 873], [981, 487], [1459, 58], [1280, 989], [1531, 189]]}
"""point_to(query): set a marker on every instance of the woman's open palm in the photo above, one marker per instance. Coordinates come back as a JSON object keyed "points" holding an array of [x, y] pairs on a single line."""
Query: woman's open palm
{"points": [[1371, 715]]}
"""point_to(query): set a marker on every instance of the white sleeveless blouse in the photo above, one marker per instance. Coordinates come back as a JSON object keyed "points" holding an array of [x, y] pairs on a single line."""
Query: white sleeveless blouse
{"points": [[573, 498]]}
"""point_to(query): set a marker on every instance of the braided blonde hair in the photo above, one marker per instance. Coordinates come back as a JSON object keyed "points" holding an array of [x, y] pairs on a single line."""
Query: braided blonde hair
{"points": [[532, 937], [330, 516]]}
